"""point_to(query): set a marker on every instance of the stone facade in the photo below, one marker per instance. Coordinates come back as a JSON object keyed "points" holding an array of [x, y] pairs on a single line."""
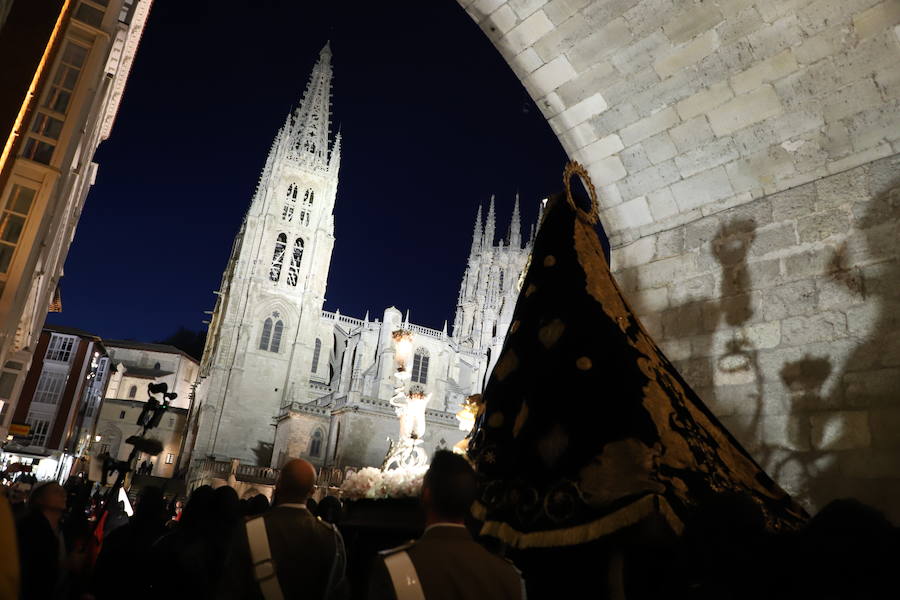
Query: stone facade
{"points": [[745, 153]]}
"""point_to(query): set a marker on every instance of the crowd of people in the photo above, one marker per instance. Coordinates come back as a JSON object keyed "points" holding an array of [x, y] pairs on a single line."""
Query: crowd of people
{"points": [[218, 546]]}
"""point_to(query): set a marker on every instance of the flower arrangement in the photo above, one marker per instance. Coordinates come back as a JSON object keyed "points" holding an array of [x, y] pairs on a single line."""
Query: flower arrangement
{"points": [[376, 484]]}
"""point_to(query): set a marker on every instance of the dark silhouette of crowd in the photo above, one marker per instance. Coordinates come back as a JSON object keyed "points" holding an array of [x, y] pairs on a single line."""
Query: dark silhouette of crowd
{"points": [[847, 550]]}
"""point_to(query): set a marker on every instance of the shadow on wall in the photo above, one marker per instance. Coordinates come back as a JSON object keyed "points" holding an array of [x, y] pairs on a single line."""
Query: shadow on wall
{"points": [[799, 351]]}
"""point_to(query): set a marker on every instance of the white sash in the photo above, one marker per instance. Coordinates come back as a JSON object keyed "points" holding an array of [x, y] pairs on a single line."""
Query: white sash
{"points": [[261, 557], [403, 576]]}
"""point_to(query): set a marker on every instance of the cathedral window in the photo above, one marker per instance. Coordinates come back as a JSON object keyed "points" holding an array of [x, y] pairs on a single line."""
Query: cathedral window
{"points": [[316, 352], [308, 198], [315, 444], [273, 328], [288, 213], [420, 366], [294, 269], [276, 336], [278, 257]]}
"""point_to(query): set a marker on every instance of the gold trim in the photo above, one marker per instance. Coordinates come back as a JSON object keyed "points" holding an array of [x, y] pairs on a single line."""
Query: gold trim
{"points": [[581, 534], [574, 168]]}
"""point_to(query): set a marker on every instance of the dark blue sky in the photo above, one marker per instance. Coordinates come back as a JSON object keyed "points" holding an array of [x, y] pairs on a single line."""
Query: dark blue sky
{"points": [[433, 123]]}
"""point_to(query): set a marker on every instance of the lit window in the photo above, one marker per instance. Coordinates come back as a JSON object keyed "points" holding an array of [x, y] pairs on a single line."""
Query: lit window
{"points": [[50, 387], [60, 348], [315, 445], [278, 257], [170, 458], [316, 352], [420, 366], [132, 391], [294, 269], [39, 428], [65, 78], [272, 330], [12, 222]]}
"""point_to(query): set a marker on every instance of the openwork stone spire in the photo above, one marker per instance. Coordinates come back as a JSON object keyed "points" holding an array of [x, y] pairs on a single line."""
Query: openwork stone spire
{"points": [[476, 235], [489, 223], [309, 127]]}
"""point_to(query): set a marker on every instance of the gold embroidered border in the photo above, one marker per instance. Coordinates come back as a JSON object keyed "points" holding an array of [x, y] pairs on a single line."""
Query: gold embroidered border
{"points": [[581, 534]]}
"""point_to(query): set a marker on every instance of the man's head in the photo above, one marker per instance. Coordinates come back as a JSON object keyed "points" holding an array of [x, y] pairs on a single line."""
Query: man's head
{"points": [[295, 483], [449, 488], [50, 499]]}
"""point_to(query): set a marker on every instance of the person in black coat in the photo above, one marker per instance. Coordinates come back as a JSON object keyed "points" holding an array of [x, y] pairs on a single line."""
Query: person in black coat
{"points": [[42, 549]]}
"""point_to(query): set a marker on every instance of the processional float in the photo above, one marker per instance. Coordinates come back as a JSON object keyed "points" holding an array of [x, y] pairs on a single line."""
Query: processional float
{"points": [[586, 428]]}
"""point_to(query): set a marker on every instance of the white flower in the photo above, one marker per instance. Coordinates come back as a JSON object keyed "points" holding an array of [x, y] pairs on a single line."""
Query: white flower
{"points": [[375, 484]]}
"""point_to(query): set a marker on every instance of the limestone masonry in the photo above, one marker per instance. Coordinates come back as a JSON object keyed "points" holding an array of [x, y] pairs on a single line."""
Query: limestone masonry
{"points": [[746, 153]]}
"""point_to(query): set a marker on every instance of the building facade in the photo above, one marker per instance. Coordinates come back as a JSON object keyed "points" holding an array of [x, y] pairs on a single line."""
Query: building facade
{"points": [[64, 65], [59, 403], [282, 377], [134, 366]]}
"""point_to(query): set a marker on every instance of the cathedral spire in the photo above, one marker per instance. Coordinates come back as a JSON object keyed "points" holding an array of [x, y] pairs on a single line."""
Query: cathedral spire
{"points": [[476, 235], [309, 131], [515, 226], [334, 161], [488, 240]]}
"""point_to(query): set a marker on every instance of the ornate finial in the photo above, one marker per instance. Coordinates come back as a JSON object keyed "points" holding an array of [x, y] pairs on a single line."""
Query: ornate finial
{"points": [[489, 226], [515, 226]]}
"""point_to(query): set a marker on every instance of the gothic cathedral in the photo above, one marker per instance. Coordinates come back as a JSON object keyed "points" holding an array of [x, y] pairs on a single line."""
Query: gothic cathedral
{"points": [[282, 377]]}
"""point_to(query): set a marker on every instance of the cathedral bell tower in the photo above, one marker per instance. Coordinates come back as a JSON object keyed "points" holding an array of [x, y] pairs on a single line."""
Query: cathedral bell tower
{"points": [[262, 333]]}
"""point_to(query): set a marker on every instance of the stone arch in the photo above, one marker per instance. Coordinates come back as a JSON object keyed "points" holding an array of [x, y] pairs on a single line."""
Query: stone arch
{"points": [[740, 150]]}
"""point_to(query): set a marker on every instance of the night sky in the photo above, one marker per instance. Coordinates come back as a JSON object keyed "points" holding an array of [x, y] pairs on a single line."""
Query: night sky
{"points": [[433, 123]]}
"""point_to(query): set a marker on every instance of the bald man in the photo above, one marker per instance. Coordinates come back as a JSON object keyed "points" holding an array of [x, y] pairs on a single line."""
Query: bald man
{"points": [[287, 553]]}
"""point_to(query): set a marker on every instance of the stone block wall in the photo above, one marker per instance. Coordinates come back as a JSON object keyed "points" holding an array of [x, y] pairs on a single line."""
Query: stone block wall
{"points": [[745, 153], [784, 315]]}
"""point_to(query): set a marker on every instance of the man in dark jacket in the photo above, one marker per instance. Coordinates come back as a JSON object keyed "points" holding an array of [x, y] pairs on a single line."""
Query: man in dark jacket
{"points": [[445, 563], [42, 550], [287, 552]]}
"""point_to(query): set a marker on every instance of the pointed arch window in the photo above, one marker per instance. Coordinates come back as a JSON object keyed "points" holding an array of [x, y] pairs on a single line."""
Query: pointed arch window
{"points": [[272, 330], [278, 257], [276, 336], [266, 336], [290, 203], [316, 353], [294, 269], [315, 444], [420, 366]]}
